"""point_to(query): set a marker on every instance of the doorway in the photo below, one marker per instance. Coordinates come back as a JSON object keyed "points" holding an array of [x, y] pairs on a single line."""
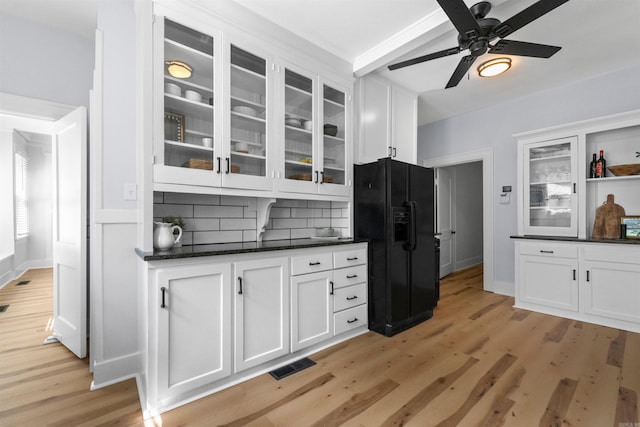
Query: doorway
{"points": [[23, 121], [485, 157]]}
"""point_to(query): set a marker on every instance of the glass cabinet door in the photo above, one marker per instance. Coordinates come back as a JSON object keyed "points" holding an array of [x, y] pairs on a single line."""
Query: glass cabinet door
{"points": [[550, 172], [299, 160], [188, 97], [333, 141], [248, 123]]}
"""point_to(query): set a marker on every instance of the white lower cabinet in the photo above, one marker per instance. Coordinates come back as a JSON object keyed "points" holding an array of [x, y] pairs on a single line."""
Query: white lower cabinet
{"points": [[261, 311], [188, 355], [311, 309], [215, 321], [593, 282]]}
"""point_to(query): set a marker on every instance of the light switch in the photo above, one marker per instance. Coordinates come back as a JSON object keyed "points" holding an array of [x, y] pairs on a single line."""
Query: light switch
{"points": [[130, 192]]}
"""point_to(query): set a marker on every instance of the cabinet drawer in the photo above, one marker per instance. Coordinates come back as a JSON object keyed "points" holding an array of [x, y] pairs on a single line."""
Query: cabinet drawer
{"points": [[549, 249], [349, 258], [624, 253], [303, 264], [349, 276], [350, 319], [350, 296]]}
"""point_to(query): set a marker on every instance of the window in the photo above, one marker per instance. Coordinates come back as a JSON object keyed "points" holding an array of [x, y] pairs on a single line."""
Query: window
{"points": [[22, 213]]}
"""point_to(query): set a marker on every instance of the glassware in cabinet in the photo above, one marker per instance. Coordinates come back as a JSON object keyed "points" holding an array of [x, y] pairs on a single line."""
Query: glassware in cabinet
{"points": [[188, 97], [298, 127], [334, 131], [550, 174], [248, 124]]}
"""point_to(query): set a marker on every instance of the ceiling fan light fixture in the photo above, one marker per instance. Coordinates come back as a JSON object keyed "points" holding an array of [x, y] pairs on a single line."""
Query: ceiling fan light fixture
{"points": [[179, 69], [494, 67]]}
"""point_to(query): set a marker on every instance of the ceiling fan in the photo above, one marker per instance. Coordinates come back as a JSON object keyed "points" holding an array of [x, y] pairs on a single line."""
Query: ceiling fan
{"points": [[476, 32]]}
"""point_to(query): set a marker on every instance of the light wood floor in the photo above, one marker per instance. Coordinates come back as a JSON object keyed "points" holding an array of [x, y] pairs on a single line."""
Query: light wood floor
{"points": [[478, 361]]}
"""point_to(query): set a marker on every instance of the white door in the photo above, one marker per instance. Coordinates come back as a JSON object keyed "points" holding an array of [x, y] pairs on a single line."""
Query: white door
{"points": [[70, 232], [445, 219]]}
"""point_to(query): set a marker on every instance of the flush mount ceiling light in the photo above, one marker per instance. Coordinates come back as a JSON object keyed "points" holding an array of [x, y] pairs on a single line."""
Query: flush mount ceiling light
{"points": [[179, 69], [494, 67]]}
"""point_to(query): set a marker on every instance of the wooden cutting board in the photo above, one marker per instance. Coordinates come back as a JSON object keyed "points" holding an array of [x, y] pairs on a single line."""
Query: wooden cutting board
{"points": [[607, 222]]}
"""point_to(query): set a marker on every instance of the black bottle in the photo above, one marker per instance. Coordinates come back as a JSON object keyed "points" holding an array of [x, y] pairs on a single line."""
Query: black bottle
{"points": [[601, 166], [592, 167]]}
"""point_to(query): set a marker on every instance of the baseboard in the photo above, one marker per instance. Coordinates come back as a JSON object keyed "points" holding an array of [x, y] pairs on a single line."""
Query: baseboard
{"points": [[469, 262], [115, 370], [504, 288], [37, 263]]}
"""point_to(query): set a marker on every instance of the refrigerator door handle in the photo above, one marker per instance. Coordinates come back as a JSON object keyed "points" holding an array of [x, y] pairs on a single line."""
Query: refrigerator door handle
{"points": [[410, 245]]}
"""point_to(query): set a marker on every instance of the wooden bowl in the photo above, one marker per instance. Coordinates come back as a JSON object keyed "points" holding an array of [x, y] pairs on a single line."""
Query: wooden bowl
{"points": [[625, 170]]}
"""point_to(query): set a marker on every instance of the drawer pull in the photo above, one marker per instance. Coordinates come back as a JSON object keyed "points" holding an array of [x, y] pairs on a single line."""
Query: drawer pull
{"points": [[546, 252], [352, 298], [355, 319], [352, 276], [163, 290], [315, 263], [353, 258]]}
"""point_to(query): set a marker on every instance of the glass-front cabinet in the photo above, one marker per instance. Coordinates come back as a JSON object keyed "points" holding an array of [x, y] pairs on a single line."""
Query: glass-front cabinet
{"points": [[550, 177], [314, 123], [185, 118]]}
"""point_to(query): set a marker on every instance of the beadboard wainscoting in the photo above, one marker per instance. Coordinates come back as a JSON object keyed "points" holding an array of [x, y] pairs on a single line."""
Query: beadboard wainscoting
{"points": [[224, 219]]}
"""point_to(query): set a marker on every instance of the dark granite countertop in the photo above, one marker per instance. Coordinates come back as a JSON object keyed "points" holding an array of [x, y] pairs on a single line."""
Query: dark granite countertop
{"points": [[576, 239], [193, 251]]}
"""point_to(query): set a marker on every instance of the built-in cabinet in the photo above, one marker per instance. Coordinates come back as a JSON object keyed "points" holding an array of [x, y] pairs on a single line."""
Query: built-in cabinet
{"points": [[388, 121], [215, 321], [560, 269], [244, 118]]}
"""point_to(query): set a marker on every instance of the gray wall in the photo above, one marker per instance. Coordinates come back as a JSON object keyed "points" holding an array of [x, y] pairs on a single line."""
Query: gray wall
{"points": [[41, 62], [494, 126]]}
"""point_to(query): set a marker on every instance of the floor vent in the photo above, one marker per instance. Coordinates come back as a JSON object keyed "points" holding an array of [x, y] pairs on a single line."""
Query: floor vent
{"points": [[23, 282], [292, 368], [3, 308]]}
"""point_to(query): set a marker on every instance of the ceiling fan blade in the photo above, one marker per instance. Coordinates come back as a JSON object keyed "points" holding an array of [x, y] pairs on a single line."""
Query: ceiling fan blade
{"points": [[461, 17], [462, 68], [528, 15], [512, 47], [419, 59]]}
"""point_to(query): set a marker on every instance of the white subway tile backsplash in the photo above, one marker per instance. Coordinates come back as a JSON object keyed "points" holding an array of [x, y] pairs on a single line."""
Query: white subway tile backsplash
{"points": [[207, 237], [224, 219], [237, 223], [191, 199], [217, 211], [280, 223]]}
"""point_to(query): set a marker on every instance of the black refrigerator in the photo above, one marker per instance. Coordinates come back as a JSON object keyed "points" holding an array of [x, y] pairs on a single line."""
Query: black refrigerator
{"points": [[393, 211]]}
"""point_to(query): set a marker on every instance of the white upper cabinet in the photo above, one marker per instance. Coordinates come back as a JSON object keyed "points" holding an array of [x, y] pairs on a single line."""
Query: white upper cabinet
{"points": [[550, 187], [240, 119], [388, 121]]}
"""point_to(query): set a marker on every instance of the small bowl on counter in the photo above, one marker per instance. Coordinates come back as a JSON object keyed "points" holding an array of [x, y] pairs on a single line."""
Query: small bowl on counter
{"points": [[326, 232]]}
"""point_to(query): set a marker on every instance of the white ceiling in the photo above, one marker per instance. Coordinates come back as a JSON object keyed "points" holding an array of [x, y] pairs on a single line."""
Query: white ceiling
{"points": [[596, 36]]}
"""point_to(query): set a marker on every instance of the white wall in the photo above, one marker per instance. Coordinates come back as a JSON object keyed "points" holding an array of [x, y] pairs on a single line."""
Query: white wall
{"points": [[494, 126], [44, 63]]}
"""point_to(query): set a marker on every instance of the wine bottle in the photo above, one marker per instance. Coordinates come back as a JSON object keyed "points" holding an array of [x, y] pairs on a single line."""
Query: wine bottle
{"points": [[592, 167], [601, 166]]}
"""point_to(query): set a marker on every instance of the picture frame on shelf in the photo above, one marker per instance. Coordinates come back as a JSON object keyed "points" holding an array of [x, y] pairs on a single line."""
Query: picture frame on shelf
{"points": [[174, 126], [632, 225]]}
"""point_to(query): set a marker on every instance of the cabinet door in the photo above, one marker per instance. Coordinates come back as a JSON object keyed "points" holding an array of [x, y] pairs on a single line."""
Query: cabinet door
{"points": [[184, 87], [311, 309], [335, 148], [612, 290], [250, 91], [404, 125], [548, 281], [194, 327], [300, 164], [261, 311], [550, 177], [375, 116]]}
